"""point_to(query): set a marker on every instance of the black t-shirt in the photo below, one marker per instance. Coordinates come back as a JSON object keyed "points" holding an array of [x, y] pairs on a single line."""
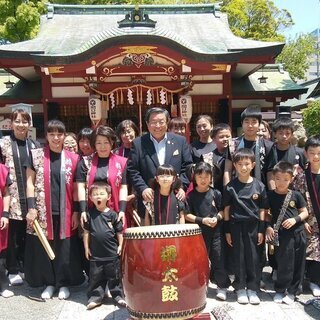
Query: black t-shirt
{"points": [[293, 155], [204, 204], [103, 228], [24, 158], [55, 169], [296, 202], [245, 199], [101, 173], [316, 178], [199, 148]]}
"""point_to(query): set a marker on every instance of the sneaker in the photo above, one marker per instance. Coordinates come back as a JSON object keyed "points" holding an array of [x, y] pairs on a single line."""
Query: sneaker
{"points": [[93, 304], [315, 289], [15, 279], [47, 292], [120, 301], [288, 299], [6, 293], [278, 297], [64, 293], [21, 274], [222, 294], [242, 297], [253, 298]]}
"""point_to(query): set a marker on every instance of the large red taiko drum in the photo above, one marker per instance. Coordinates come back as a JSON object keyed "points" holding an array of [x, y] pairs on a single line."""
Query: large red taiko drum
{"points": [[165, 271]]}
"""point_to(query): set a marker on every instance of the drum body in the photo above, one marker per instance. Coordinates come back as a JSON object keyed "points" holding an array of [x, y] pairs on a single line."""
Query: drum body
{"points": [[165, 271]]}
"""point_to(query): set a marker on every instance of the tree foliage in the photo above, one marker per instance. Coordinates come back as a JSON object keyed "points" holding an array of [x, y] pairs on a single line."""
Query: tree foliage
{"points": [[257, 19], [19, 20], [296, 55], [311, 116]]}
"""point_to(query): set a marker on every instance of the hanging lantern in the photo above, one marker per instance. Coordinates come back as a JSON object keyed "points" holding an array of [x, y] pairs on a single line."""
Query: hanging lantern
{"points": [[185, 104], [94, 104]]}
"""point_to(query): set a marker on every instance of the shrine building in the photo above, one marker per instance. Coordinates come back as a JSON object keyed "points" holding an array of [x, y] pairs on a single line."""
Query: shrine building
{"points": [[127, 59]]}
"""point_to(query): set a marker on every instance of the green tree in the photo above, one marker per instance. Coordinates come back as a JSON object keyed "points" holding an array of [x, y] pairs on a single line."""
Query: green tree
{"points": [[296, 55], [257, 19], [19, 20], [311, 116]]}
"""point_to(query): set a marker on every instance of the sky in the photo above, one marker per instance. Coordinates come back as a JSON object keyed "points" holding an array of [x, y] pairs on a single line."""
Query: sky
{"points": [[305, 14]]}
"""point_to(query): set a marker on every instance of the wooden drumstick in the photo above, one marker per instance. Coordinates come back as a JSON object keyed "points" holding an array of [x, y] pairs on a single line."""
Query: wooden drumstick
{"points": [[43, 239]]}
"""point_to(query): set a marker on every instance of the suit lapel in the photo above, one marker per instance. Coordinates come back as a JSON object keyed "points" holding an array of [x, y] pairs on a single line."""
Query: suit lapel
{"points": [[170, 148], [150, 149]]}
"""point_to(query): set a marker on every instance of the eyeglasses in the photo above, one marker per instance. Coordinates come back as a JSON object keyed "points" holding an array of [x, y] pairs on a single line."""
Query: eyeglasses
{"points": [[160, 123]]}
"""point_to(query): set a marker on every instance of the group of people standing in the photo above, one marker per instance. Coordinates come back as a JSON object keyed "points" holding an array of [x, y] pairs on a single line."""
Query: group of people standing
{"points": [[242, 192]]}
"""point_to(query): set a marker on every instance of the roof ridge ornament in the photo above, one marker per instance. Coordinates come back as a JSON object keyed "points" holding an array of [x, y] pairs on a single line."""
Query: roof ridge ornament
{"points": [[137, 18]]}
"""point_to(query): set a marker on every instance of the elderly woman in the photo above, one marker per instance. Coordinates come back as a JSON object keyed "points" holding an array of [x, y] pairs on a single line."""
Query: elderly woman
{"points": [[103, 165]]}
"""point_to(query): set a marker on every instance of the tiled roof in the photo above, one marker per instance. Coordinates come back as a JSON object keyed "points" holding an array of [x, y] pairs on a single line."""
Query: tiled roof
{"points": [[278, 81], [71, 32]]}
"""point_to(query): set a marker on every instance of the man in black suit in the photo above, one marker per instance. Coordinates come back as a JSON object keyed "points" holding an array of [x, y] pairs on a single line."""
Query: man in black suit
{"points": [[156, 148]]}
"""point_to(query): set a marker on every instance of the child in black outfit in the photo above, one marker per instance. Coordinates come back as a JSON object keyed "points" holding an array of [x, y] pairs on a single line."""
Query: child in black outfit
{"points": [[245, 201], [102, 243], [165, 208], [204, 208], [290, 254]]}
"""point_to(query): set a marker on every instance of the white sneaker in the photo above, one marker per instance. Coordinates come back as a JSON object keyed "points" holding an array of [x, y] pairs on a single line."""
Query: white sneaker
{"points": [[222, 294], [47, 292], [64, 293], [15, 279], [242, 297], [315, 289], [6, 293], [278, 297], [288, 299], [253, 298]]}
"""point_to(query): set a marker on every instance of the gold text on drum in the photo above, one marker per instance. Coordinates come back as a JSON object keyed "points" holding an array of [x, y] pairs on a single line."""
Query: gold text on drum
{"points": [[169, 293], [169, 254]]}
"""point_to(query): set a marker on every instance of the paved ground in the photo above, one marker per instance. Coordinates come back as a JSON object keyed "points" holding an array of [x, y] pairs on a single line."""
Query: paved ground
{"points": [[20, 307]]}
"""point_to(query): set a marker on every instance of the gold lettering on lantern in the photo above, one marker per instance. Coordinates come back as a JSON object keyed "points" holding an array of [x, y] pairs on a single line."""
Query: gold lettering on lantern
{"points": [[170, 275], [169, 253], [169, 293]]}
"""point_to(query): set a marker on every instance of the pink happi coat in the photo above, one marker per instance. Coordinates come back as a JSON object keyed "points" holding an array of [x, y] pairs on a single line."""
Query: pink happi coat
{"points": [[116, 167], [3, 180], [41, 164]]}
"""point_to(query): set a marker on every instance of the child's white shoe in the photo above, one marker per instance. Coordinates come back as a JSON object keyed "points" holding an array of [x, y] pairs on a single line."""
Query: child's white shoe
{"points": [[64, 293], [288, 299], [278, 297], [222, 294], [315, 289], [15, 279], [47, 292], [242, 297], [6, 293], [253, 297]]}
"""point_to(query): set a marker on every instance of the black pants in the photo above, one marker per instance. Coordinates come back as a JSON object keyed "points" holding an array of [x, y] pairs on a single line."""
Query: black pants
{"points": [[4, 282], [65, 270], [247, 267], [216, 249], [290, 257], [313, 271], [16, 245], [101, 274]]}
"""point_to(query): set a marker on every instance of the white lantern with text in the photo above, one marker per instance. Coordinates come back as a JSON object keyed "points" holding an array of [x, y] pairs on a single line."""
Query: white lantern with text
{"points": [[185, 104], [95, 108]]}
